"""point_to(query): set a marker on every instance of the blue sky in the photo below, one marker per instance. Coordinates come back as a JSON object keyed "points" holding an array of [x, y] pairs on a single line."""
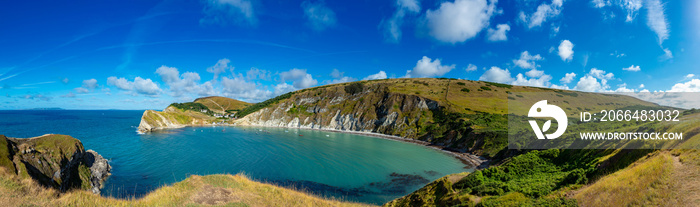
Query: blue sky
{"points": [[148, 54]]}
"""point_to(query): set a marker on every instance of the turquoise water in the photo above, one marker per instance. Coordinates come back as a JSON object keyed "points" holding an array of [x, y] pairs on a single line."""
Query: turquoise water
{"points": [[351, 167]]}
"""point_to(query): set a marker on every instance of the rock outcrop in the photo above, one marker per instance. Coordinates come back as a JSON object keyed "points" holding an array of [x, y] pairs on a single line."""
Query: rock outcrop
{"points": [[370, 111], [56, 161], [171, 118]]}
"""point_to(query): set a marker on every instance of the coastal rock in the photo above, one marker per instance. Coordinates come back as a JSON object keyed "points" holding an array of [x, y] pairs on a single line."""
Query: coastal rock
{"points": [[56, 161], [99, 168], [171, 118]]}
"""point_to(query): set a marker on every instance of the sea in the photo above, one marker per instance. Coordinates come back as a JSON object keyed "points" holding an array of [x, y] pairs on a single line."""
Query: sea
{"points": [[343, 166]]}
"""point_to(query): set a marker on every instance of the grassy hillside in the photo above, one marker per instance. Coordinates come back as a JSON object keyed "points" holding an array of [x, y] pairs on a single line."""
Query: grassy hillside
{"points": [[222, 104], [585, 177], [468, 116], [220, 190]]}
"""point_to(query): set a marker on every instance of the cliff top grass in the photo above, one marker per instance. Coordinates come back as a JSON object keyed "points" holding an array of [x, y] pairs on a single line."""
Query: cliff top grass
{"points": [[467, 96], [220, 190], [5, 154], [222, 104]]}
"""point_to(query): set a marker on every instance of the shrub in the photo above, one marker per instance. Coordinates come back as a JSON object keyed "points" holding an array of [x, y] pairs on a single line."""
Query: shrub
{"points": [[465, 90], [354, 88], [460, 83], [258, 106], [486, 88]]}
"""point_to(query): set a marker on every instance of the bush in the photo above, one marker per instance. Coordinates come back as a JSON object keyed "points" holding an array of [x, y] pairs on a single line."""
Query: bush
{"points": [[354, 88], [577, 176], [465, 90], [192, 106], [460, 83], [486, 88], [258, 106]]}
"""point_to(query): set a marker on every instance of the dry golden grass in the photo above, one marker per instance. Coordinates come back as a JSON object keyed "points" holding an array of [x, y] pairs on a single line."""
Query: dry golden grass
{"points": [[219, 190], [647, 182]]}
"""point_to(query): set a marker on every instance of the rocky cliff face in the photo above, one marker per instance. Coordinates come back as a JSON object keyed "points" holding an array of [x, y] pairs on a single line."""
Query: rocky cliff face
{"points": [[374, 109], [171, 118], [56, 161]]}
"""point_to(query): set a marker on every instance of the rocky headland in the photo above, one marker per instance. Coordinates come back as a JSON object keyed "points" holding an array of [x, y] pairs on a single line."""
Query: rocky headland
{"points": [[54, 161]]}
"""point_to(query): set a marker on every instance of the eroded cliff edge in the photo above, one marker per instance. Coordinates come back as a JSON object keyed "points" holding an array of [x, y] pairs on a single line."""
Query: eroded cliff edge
{"points": [[55, 161], [171, 118]]}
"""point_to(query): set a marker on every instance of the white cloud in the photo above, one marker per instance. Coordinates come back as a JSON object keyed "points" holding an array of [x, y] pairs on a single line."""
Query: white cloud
{"points": [[543, 12], [139, 85], [590, 84], [88, 85], [255, 73], [380, 75], [460, 20], [498, 34], [320, 17], [631, 7], [392, 27], [689, 76], [568, 78], [496, 74], [632, 68], [623, 89], [541, 80], [339, 77], [300, 79], [146, 86], [690, 86], [527, 61], [656, 19], [336, 73], [566, 50], [120, 83], [224, 12], [534, 73], [64, 80], [470, 68], [241, 89], [426, 67], [188, 82], [220, 67], [537, 78], [69, 95], [601, 74], [641, 86], [284, 88], [81, 90], [667, 54], [600, 3]]}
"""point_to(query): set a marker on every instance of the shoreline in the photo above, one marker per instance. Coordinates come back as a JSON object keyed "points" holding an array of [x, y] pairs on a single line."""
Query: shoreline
{"points": [[477, 162]]}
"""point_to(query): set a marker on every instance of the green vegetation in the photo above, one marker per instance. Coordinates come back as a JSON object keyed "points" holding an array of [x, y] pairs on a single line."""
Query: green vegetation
{"points": [[460, 83], [500, 85], [354, 88], [192, 106], [300, 109], [255, 107], [5, 154], [465, 90], [486, 88]]}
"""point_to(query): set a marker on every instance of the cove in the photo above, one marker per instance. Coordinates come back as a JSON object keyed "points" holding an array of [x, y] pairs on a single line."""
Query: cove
{"points": [[346, 166]]}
